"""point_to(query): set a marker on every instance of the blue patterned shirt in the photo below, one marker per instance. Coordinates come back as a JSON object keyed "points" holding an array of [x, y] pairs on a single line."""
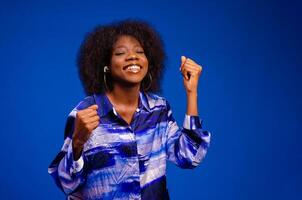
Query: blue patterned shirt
{"points": [[128, 161]]}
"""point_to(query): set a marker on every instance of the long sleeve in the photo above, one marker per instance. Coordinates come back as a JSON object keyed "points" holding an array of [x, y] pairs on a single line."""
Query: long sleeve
{"points": [[68, 174], [186, 146]]}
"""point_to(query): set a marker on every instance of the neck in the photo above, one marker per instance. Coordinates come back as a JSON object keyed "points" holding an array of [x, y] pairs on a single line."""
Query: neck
{"points": [[121, 95]]}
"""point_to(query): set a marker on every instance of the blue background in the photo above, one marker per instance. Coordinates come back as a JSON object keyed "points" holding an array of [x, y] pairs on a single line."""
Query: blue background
{"points": [[249, 93]]}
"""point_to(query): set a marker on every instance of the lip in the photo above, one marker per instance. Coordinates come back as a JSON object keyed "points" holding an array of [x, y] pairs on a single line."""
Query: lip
{"points": [[125, 67]]}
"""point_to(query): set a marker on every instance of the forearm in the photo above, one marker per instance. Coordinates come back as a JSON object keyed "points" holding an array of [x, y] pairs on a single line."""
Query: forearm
{"points": [[192, 107], [191, 72], [76, 149]]}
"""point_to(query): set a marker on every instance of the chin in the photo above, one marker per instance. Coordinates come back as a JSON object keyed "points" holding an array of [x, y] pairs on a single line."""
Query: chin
{"points": [[134, 82], [129, 82], [135, 78]]}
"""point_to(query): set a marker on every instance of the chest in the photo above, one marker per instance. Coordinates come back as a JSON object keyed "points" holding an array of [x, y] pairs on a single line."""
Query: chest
{"points": [[126, 114], [145, 134]]}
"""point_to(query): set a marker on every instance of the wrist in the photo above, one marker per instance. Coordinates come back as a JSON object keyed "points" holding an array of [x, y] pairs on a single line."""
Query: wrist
{"points": [[75, 141], [192, 94], [77, 148], [192, 109], [77, 152], [76, 145]]}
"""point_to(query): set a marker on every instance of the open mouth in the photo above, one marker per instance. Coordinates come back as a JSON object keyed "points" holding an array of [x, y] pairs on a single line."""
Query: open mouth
{"points": [[133, 68]]}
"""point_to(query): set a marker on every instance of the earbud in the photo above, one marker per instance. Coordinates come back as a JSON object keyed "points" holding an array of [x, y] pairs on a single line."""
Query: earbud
{"points": [[106, 69]]}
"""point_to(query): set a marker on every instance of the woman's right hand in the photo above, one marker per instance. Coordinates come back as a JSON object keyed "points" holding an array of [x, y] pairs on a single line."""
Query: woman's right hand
{"points": [[86, 121]]}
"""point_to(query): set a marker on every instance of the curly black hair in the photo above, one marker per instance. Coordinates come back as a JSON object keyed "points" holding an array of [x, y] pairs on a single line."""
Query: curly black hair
{"points": [[96, 50]]}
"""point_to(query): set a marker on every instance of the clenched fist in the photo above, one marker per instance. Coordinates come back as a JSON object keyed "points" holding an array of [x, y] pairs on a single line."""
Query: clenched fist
{"points": [[86, 121], [191, 72]]}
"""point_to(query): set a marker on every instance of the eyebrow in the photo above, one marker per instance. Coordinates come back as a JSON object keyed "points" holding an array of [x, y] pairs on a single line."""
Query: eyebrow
{"points": [[123, 46]]}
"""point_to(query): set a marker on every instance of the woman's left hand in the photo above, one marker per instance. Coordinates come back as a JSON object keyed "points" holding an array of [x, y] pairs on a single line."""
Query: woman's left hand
{"points": [[191, 72]]}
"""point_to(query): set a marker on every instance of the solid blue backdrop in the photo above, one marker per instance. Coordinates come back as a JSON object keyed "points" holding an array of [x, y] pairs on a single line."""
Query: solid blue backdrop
{"points": [[249, 93]]}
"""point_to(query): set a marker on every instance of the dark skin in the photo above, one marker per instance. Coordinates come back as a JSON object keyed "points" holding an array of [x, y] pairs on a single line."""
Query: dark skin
{"points": [[129, 66], [125, 102], [127, 52], [86, 121]]}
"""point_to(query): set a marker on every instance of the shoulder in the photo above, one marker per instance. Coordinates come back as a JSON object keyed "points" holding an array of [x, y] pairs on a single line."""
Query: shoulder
{"points": [[83, 104], [155, 100]]}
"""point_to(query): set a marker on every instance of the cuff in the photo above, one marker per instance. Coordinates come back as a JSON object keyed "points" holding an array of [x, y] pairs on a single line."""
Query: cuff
{"points": [[76, 165], [192, 122]]}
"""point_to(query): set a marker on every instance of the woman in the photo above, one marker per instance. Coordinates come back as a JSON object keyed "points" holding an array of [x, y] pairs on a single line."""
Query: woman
{"points": [[118, 139]]}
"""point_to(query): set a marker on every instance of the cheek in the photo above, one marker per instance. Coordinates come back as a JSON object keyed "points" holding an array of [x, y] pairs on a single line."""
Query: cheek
{"points": [[116, 64], [146, 63]]}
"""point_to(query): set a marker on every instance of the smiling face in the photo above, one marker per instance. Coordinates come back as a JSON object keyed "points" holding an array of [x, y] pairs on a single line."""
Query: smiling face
{"points": [[129, 64]]}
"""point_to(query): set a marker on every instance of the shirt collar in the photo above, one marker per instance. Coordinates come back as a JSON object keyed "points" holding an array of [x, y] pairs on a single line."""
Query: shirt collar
{"points": [[105, 105], [143, 101]]}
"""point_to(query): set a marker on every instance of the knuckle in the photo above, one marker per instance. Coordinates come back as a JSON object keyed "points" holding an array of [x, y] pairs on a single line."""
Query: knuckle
{"points": [[80, 115]]}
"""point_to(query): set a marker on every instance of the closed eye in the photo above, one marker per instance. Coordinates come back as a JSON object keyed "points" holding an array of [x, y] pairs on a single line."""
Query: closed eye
{"points": [[118, 53]]}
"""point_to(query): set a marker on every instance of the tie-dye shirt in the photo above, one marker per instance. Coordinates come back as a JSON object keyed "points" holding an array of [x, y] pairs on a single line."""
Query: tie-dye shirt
{"points": [[128, 161]]}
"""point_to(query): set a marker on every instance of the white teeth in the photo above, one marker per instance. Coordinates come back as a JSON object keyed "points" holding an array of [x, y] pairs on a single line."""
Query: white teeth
{"points": [[133, 68]]}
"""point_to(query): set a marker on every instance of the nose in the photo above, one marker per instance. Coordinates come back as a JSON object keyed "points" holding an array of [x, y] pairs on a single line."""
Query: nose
{"points": [[132, 56]]}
